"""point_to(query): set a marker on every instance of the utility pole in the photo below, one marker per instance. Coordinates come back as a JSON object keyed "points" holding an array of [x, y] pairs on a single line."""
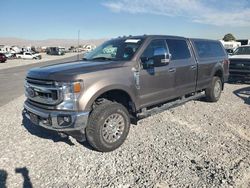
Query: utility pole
{"points": [[78, 43]]}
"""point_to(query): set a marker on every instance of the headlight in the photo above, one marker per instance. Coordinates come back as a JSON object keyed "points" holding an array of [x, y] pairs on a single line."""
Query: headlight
{"points": [[70, 93]]}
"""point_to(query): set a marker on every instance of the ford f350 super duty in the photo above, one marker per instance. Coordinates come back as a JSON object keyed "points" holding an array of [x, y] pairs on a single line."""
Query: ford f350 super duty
{"points": [[121, 81]]}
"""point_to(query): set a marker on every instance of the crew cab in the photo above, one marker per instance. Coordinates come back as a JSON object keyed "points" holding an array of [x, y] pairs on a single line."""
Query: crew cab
{"points": [[239, 68], [28, 55], [121, 81]]}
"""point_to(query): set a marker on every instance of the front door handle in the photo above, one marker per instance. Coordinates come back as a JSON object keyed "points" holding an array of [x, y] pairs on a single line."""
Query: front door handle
{"points": [[172, 70], [193, 67]]}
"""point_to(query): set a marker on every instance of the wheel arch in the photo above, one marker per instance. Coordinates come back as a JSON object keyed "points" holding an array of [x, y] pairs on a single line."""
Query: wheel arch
{"points": [[114, 93], [218, 71]]}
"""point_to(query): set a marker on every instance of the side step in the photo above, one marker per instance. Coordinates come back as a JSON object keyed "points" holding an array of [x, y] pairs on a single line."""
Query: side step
{"points": [[146, 113]]}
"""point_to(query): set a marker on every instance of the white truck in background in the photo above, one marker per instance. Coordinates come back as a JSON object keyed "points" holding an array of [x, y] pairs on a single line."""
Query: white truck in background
{"points": [[230, 46], [28, 55]]}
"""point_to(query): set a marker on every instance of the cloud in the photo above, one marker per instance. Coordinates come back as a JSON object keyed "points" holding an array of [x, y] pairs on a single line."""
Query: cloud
{"points": [[212, 12]]}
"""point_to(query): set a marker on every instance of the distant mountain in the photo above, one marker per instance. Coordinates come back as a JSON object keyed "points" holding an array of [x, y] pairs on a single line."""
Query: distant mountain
{"points": [[48, 42]]}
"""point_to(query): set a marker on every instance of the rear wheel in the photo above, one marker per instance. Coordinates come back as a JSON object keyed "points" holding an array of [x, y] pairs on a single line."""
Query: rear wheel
{"points": [[213, 93], [108, 126]]}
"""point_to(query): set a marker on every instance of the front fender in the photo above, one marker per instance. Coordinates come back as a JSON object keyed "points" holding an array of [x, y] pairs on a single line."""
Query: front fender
{"points": [[96, 90]]}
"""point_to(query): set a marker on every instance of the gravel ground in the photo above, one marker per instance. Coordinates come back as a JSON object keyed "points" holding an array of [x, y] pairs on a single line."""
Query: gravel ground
{"points": [[20, 62], [198, 144]]}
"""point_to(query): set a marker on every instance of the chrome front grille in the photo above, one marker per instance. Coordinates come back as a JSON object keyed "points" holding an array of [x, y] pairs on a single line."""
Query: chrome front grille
{"points": [[43, 91], [39, 82]]}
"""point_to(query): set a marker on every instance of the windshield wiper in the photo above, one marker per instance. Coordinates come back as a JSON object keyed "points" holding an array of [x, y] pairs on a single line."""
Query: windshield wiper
{"points": [[102, 58]]}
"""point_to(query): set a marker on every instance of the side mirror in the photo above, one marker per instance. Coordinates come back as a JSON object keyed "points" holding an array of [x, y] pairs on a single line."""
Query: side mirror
{"points": [[161, 56], [147, 63]]}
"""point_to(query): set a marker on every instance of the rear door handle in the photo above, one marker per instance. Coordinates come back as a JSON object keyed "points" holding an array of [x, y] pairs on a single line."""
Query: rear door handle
{"points": [[193, 67], [172, 70]]}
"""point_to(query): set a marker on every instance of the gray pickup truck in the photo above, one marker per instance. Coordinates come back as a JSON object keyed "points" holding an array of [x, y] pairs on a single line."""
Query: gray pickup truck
{"points": [[121, 81]]}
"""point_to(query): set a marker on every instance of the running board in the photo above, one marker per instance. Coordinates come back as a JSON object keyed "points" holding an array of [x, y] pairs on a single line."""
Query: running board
{"points": [[146, 113]]}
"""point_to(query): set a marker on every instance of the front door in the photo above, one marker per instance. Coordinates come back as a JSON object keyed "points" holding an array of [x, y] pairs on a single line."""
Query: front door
{"points": [[156, 79]]}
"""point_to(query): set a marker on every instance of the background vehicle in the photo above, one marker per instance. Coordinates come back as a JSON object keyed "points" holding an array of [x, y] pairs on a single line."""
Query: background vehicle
{"points": [[3, 58], [55, 51], [88, 48], [244, 41], [240, 64], [9, 55], [28, 55], [121, 81], [230, 46]]}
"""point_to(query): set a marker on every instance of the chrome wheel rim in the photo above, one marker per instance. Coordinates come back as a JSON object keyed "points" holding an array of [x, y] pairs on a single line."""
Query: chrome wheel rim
{"points": [[113, 128], [217, 89]]}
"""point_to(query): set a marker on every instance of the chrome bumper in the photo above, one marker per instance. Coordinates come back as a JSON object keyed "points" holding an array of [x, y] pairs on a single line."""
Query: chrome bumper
{"points": [[49, 118]]}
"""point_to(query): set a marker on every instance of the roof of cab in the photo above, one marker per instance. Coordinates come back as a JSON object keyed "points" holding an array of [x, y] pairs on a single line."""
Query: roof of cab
{"points": [[161, 36], [150, 36]]}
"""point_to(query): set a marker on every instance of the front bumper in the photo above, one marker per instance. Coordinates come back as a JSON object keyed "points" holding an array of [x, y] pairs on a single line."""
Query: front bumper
{"points": [[49, 118]]}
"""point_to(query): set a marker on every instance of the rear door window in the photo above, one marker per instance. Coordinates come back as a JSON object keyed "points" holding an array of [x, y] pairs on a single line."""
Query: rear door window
{"points": [[178, 49], [208, 49]]}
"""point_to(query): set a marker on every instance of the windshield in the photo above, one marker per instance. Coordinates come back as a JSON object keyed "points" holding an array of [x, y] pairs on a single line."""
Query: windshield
{"points": [[242, 51], [115, 50]]}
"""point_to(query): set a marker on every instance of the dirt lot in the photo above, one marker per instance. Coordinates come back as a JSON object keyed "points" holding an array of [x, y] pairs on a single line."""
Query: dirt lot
{"points": [[198, 144], [20, 62]]}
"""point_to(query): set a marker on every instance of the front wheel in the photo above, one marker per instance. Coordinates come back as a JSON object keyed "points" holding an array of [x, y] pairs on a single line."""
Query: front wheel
{"points": [[213, 93], [108, 126]]}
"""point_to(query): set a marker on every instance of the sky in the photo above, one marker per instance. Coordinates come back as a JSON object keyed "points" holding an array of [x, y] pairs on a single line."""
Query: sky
{"points": [[61, 19]]}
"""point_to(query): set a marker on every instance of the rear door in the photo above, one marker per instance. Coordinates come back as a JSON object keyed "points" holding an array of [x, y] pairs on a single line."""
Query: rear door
{"points": [[184, 65]]}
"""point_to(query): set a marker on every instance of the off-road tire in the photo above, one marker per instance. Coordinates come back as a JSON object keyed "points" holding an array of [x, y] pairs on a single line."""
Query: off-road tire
{"points": [[213, 93], [96, 122]]}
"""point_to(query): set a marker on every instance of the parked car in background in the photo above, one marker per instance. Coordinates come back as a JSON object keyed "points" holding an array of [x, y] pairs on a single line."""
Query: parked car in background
{"points": [[88, 48], [244, 41], [9, 55], [55, 51], [3, 58], [240, 64], [28, 55], [230, 46], [123, 80]]}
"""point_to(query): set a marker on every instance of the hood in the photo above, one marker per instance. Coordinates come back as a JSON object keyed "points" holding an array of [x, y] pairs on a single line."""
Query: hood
{"points": [[239, 57], [70, 70]]}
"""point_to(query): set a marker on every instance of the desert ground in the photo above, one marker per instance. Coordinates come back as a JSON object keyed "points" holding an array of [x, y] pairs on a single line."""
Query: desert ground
{"points": [[12, 63], [198, 144]]}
